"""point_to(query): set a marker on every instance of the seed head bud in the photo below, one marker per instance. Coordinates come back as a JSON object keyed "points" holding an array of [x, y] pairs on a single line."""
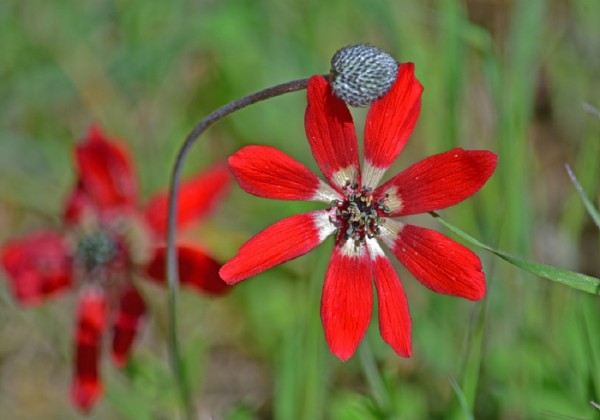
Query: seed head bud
{"points": [[361, 74]]}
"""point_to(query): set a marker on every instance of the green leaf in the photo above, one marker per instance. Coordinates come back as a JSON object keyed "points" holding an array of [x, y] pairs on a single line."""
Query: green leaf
{"points": [[572, 279]]}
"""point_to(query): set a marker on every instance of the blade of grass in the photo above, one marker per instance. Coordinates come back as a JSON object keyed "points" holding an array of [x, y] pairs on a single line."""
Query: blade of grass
{"points": [[468, 414], [287, 377], [315, 369], [466, 392], [302, 375], [593, 212], [516, 105], [373, 377], [591, 110], [589, 326], [452, 17], [472, 367], [572, 279], [574, 217]]}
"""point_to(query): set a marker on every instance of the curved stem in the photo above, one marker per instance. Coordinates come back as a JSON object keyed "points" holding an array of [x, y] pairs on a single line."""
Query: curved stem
{"points": [[172, 266]]}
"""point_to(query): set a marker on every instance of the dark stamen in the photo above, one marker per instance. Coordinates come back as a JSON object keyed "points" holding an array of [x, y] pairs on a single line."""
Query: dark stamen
{"points": [[96, 249], [357, 216]]}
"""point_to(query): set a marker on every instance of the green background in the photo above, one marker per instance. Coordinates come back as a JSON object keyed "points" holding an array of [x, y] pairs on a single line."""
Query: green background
{"points": [[507, 76]]}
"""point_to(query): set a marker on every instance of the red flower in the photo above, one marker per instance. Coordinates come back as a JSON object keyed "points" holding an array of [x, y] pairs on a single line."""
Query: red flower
{"points": [[362, 214], [109, 240]]}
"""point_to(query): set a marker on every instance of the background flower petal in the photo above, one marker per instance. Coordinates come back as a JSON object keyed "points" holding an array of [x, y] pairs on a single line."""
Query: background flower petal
{"points": [[130, 312], [198, 196], [38, 266], [438, 182], [105, 172], [267, 172], [440, 263], [78, 205], [391, 120], [330, 132], [91, 323], [347, 301], [196, 269], [283, 241]]}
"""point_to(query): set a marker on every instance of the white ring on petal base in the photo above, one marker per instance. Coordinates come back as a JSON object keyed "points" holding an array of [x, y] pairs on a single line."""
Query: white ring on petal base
{"points": [[345, 175], [372, 175], [326, 194], [375, 250], [393, 201], [323, 223], [350, 250], [389, 231]]}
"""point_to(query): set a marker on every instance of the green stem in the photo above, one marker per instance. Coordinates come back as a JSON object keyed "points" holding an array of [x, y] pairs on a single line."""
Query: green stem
{"points": [[172, 270]]}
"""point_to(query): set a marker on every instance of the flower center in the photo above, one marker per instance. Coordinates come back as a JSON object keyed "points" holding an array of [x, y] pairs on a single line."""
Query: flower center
{"points": [[359, 215], [96, 249]]}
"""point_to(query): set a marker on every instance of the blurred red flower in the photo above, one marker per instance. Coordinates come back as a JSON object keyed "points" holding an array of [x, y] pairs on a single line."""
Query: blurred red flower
{"points": [[362, 213], [109, 240]]}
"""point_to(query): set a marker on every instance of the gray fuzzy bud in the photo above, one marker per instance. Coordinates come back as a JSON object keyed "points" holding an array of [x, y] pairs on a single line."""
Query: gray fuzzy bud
{"points": [[361, 74]]}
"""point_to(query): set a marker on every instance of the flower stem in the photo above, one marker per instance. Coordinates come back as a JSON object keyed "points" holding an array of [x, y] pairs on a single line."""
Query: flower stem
{"points": [[172, 270]]}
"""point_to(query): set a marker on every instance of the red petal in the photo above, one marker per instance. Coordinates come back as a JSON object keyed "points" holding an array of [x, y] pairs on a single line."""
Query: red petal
{"points": [[38, 266], [270, 173], [439, 181], [330, 132], [105, 172], [441, 264], [283, 241], [131, 310], [76, 205], [394, 317], [197, 197], [91, 315], [79, 206], [196, 269], [347, 300], [392, 118]]}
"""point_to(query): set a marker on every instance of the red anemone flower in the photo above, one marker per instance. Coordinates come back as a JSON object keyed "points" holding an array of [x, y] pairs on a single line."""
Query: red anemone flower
{"points": [[362, 214], [109, 240]]}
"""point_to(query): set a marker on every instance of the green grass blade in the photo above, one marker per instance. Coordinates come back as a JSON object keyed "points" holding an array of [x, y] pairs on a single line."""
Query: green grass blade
{"points": [[593, 212], [462, 399], [303, 373], [515, 107], [373, 376], [572, 279], [591, 110]]}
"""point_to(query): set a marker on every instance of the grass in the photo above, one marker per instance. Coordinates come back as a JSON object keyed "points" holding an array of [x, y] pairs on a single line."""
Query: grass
{"points": [[511, 77]]}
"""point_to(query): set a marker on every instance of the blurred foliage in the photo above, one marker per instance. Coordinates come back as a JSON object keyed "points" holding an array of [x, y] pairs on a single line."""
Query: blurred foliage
{"points": [[508, 76]]}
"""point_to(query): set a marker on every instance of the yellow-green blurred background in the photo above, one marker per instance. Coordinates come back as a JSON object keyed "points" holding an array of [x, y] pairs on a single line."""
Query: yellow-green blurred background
{"points": [[507, 76]]}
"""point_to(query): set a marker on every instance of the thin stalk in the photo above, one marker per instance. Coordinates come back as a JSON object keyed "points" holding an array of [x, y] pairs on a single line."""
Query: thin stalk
{"points": [[172, 270]]}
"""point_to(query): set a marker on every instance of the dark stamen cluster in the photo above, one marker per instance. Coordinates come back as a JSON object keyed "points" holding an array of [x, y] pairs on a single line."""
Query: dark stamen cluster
{"points": [[359, 215], [96, 249]]}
